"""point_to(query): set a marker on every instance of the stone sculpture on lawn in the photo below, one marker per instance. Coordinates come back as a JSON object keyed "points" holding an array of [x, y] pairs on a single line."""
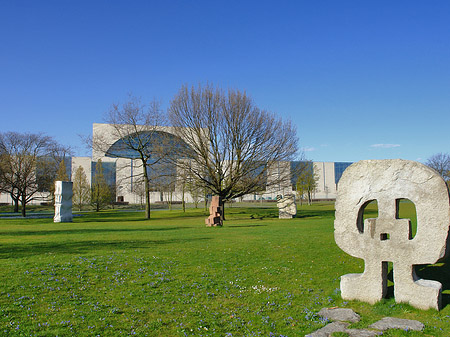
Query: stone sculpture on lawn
{"points": [[215, 213], [388, 238], [63, 201], [286, 206]]}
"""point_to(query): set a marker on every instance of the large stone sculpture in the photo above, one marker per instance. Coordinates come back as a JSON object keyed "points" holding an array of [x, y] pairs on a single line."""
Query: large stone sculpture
{"points": [[215, 213], [286, 206], [63, 201], [388, 238]]}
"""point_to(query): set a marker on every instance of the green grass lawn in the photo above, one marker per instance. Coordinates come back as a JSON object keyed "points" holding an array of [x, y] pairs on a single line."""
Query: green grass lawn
{"points": [[114, 273]]}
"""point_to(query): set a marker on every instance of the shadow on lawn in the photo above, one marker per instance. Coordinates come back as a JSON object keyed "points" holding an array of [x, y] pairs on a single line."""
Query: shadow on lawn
{"points": [[89, 231], [138, 216], [81, 247], [438, 272], [313, 214], [244, 226]]}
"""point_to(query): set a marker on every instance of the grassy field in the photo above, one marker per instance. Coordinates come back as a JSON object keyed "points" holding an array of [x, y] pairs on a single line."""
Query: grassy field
{"points": [[115, 274]]}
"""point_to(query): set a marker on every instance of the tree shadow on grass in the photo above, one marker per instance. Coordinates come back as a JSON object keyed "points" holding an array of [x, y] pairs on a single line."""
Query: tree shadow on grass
{"points": [[12, 251], [89, 231], [313, 214], [182, 216], [244, 226]]}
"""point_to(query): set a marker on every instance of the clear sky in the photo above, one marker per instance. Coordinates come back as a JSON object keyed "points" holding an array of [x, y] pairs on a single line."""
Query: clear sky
{"points": [[359, 79]]}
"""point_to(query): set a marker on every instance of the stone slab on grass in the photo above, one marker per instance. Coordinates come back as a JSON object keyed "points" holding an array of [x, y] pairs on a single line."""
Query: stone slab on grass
{"points": [[342, 318], [328, 329], [340, 314], [342, 327], [397, 323]]}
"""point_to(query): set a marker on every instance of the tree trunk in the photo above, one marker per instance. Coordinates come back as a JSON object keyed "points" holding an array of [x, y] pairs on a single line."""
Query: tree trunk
{"points": [[16, 204], [182, 201], [147, 200], [223, 209], [24, 204], [147, 190], [170, 200]]}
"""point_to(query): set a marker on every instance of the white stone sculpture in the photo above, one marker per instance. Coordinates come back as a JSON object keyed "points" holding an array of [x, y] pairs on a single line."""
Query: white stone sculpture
{"points": [[63, 201], [286, 206], [388, 238]]}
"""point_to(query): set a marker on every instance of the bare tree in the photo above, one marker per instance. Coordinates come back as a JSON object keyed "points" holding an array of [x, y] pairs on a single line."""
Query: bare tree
{"points": [[235, 145], [138, 126], [28, 165], [441, 163], [194, 190]]}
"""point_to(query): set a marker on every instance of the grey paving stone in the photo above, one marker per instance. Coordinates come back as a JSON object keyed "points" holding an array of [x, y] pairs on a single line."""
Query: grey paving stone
{"points": [[340, 314], [397, 323], [328, 329]]}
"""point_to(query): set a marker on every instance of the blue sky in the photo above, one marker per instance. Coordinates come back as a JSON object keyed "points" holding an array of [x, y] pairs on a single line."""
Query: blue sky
{"points": [[359, 79]]}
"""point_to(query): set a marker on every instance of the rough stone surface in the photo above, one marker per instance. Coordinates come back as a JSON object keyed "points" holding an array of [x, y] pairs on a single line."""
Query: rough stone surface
{"points": [[215, 213], [388, 238], [362, 333], [342, 327], [286, 206], [397, 323], [340, 314], [63, 201], [328, 329]]}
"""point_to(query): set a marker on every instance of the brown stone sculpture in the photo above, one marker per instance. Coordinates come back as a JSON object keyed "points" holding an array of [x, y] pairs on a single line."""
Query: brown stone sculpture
{"points": [[215, 213], [389, 238]]}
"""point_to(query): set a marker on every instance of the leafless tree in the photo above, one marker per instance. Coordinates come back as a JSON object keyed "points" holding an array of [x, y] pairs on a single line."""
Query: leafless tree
{"points": [[441, 163], [235, 145], [138, 126], [28, 164]]}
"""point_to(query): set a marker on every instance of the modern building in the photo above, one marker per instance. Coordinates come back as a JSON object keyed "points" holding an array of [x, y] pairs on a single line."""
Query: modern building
{"points": [[124, 174]]}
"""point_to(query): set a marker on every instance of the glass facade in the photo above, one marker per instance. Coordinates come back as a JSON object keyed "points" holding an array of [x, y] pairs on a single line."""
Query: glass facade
{"points": [[109, 172], [297, 168], [339, 168], [157, 142], [161, 175]]}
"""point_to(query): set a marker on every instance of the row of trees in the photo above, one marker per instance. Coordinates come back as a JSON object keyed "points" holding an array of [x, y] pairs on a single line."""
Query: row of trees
{"points": [[29, 164], [224, 145]]}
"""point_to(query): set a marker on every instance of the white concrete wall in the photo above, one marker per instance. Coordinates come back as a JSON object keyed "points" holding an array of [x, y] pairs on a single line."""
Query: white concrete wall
{"points": [[85, 163], [326, 186]]}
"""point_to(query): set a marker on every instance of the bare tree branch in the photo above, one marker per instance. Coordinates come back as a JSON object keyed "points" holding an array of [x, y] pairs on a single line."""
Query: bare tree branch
{"points": [[235, 144], [137, 135]]}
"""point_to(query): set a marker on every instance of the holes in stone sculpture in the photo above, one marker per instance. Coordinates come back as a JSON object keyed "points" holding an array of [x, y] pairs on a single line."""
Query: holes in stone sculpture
{"points": [[389, 270], [384, 236], [405, 209], [368, 210]]}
